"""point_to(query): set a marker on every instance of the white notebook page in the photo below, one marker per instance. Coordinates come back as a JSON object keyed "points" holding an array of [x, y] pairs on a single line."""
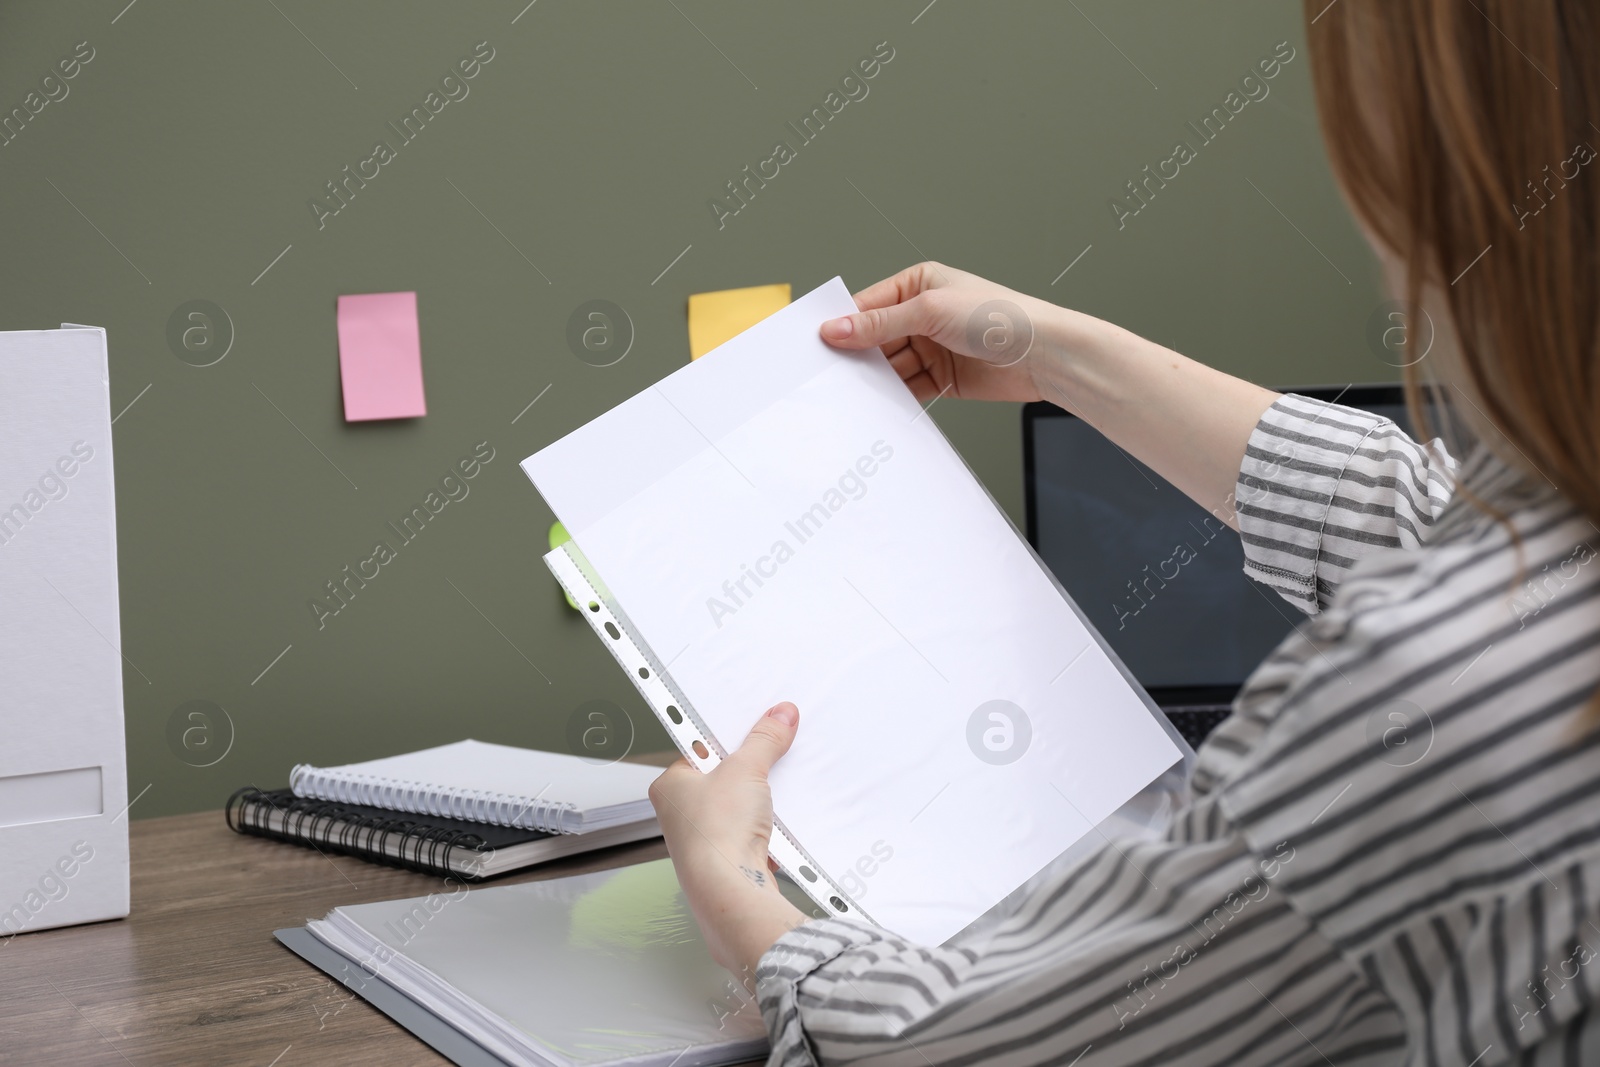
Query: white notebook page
{"points": [[781, 521]]}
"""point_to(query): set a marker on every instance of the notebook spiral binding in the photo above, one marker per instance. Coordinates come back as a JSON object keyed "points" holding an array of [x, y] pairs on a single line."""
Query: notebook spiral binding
{"points": [[330, 825], [422, 798]]}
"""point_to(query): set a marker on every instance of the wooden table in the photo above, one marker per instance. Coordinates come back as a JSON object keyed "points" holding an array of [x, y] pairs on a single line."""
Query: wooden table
{"points": [[194, 975]]}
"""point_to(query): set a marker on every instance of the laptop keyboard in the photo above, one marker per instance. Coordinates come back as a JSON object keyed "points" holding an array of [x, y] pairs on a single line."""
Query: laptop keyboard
{"points": [[1195, 721]]}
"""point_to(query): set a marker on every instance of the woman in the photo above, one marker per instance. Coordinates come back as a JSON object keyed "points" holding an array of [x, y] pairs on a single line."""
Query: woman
{"points": [[1392, 849]]}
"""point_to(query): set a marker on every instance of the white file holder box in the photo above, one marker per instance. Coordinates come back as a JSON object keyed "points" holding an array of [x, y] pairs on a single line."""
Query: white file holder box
{"points": [[63, 763]]}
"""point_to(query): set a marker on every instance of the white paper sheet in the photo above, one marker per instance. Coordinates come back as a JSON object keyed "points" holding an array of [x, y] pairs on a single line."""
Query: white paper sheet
{"points": [[781, 521]]}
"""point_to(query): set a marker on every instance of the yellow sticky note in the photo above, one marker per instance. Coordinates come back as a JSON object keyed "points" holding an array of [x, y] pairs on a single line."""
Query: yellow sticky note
{"points": [[723, 315]]}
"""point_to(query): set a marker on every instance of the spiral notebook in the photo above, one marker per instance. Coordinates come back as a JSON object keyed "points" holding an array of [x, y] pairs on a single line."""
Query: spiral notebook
{"points": [[780, 520], [432, 844], [497, 784]]}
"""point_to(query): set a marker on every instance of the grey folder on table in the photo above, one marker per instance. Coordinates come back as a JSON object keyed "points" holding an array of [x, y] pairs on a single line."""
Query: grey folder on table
{"points": [[604, 968]]}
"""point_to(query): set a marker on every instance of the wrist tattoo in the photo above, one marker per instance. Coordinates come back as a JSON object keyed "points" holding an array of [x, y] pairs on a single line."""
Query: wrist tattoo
{"points": [[758, 877]]}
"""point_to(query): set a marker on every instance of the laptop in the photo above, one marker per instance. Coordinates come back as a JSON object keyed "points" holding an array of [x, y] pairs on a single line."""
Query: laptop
{"points": [[1160, 577]]}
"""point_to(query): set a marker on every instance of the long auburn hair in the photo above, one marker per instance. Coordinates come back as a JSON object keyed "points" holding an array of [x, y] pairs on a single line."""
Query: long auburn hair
{"points": [[1462, 133]]}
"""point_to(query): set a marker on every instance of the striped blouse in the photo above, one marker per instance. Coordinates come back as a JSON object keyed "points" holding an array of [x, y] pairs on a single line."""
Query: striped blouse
{"points": [[1392, 849]]}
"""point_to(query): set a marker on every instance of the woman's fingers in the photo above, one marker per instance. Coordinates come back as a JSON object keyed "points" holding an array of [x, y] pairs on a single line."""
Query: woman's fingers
{"points": [[895, 291], [769, 739], [907, 362], [882, 294], [898, 288], [923, 387], [880, 326], [926, 368], [926, 319]]}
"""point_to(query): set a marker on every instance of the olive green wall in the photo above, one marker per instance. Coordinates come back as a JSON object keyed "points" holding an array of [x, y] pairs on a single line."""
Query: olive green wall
{"points": [[579, 166]]}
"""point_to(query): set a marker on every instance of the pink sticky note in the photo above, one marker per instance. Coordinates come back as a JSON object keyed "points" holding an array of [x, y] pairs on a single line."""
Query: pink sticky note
{"points": [[380, 357]]}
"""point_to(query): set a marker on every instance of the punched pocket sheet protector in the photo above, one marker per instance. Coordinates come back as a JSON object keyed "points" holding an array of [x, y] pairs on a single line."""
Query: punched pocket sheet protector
{"points": [[780, 520]]}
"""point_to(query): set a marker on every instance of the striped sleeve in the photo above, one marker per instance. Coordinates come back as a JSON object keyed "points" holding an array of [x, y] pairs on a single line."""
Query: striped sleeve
{"points": [[1180, 952], [1323, 485]]}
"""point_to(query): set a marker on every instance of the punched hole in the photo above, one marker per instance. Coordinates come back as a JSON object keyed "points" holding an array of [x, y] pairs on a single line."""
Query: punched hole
{"points": [[838, 905], [611, 628], [700, 750], [807, 873], [674, 714], [644, 672], [594, 605]]}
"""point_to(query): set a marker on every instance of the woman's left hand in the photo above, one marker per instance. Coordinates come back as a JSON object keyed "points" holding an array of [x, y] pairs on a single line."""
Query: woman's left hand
{"points": [[717, 827]]}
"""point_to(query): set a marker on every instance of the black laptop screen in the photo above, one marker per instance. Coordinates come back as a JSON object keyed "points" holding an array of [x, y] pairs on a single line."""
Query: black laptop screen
{"points": [[1161, 578]]}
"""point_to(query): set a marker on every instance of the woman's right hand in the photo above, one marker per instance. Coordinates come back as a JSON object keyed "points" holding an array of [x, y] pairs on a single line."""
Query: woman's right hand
{"points": [[947, 331]]}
